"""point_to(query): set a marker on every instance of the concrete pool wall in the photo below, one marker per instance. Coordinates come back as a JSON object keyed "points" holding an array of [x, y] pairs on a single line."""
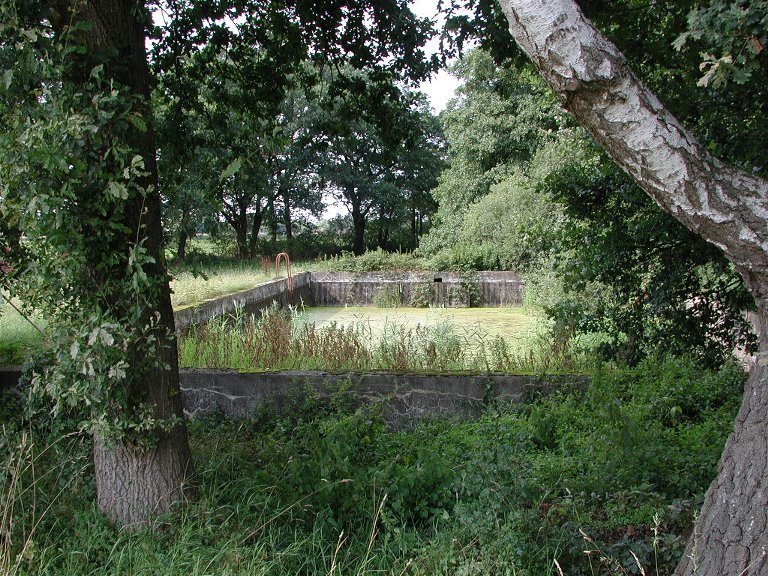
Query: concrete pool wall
{"points": [[405, 398], [448, 289]]}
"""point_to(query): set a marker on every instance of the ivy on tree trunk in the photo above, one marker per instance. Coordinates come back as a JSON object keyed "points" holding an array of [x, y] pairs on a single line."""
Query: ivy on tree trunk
{"points": [[80, 180]]}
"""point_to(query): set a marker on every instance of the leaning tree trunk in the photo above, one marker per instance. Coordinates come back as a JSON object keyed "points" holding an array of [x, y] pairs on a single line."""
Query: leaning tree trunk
{"points": [[722, 204], [133, 483]]}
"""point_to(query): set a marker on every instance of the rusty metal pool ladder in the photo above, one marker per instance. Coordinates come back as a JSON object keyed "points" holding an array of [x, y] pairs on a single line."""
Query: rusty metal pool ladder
{"points": [[283, 256]]}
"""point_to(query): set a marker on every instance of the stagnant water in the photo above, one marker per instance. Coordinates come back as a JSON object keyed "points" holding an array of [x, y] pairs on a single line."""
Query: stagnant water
{"points": [[515, 324]]}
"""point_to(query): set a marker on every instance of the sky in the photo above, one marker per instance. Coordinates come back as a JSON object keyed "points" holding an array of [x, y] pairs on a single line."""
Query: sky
{"points": [[442, 86]]}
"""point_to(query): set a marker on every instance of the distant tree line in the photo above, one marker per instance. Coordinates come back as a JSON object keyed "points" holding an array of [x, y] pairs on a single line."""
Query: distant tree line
{"points": [[265, 160]]}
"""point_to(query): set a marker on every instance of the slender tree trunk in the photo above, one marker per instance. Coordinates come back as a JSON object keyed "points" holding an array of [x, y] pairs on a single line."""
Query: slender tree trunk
{"points": [[133, 484], [181, 247], [722, 204], [287, 221], [358, 223], [241, 232], [272, 219]]}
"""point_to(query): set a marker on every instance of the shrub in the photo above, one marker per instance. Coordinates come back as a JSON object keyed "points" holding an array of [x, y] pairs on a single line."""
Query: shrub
{"points": [[422, 295], [388, 296], [372, 261]]}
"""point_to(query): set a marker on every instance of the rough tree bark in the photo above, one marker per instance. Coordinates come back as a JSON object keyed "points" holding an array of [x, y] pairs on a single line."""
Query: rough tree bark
{"points": [[724, 205], [135, 484]]}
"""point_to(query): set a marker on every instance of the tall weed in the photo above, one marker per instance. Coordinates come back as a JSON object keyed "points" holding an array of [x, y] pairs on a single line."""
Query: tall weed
{"points": [[283, 340], [599, 481]]}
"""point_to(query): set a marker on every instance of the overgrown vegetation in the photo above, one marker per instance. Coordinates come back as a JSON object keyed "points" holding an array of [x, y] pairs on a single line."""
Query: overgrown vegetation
{"points": [[284, 340], [616, 471], [18, 335]]}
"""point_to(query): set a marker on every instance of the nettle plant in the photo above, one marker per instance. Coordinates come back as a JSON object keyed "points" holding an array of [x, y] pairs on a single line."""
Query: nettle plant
{"points": [[70, 173]]}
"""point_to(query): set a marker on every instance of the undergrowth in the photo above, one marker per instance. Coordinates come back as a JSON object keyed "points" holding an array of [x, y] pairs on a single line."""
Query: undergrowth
{"points": [[320, 488], [284, 340]]}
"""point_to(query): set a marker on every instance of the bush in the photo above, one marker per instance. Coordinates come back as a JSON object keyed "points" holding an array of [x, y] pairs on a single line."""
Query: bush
{"points": [[388, 296]]}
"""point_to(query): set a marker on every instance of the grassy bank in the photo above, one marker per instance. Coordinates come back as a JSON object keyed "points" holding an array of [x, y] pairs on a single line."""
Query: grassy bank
{"points": [[616, 471], [216, 279]]}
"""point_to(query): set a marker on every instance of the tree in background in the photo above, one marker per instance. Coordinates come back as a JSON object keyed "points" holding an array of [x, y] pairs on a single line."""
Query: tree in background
{"points": [[723, 204], [668, 290], [293, 163], [504, 132], [663, 289], [80, 182], [257, 77], [656, 280], [380, 153]]}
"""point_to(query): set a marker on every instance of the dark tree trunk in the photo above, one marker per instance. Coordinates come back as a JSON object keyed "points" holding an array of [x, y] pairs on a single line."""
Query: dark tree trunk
{"points": [[358, 223], [181, 250], [287, 222], [181, 247], [272, 219], [722, 204], [255, 228], [133, 485], [240, 225]]}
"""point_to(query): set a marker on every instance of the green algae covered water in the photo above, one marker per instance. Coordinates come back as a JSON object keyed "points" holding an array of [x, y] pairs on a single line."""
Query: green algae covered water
{"points": [[516, 325]]}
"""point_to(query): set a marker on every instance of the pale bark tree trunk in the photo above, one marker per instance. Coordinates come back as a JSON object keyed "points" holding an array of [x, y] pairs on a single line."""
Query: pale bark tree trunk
{"points": [[722, 204], [134, 484]]}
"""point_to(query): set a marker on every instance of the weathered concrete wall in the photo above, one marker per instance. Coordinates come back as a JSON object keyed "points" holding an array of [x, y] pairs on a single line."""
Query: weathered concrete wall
{"points": [[251, 301], [406, 397], [439, 288], [500, 288], [9, 376]]}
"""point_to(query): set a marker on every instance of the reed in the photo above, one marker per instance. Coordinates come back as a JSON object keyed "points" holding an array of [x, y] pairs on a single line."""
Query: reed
{"points": [[284, 340]]}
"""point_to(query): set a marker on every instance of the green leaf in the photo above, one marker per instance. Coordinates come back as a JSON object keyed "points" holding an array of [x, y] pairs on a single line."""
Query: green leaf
{"points": [[138, 121], [118, 190], [232, 169], [741, 75], [7, 78]]}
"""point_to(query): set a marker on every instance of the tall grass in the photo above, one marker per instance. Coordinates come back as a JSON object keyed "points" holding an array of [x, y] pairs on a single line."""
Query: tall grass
{"points": [[285, 340], [18, 334], [581, 484]]}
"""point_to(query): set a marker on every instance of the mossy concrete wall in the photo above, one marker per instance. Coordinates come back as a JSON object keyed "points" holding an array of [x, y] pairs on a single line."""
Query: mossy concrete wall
{"points": [[416, 288], [249, 301], [405, 397]]}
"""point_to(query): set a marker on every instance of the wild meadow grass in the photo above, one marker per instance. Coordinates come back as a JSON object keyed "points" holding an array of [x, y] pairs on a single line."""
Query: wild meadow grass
{"points": [[17, 334], [583, 483], [192, 286], [286, 340]]}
